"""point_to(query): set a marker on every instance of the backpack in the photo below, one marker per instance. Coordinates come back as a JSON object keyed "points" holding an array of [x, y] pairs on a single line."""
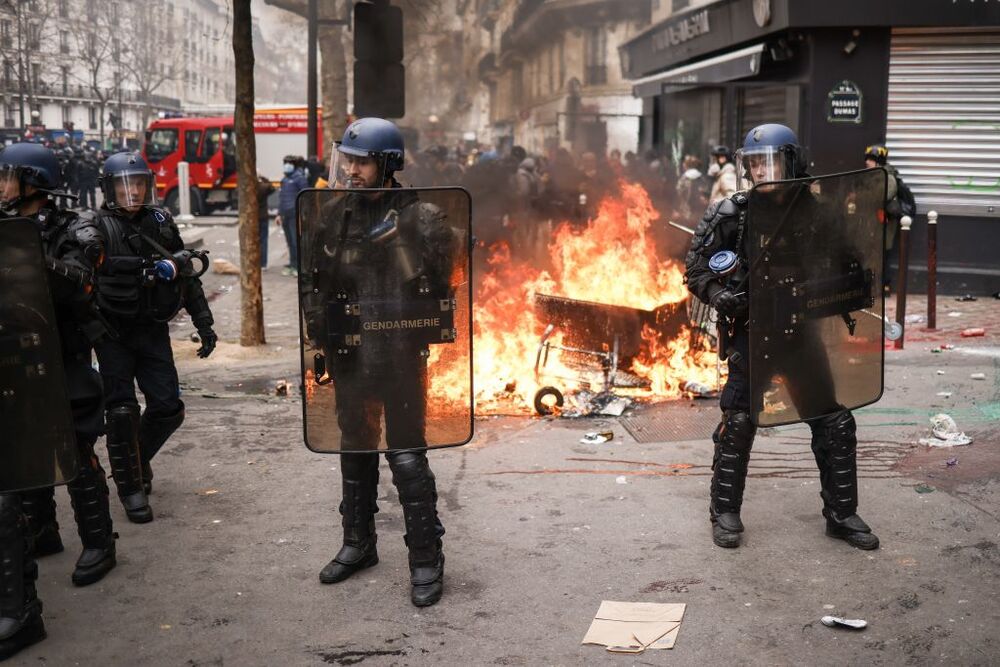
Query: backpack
{"points": [[907, 204]]}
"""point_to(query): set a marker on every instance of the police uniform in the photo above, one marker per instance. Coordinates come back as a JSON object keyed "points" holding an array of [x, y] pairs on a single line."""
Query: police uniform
{"points": [[383, 378], [139, 305]]}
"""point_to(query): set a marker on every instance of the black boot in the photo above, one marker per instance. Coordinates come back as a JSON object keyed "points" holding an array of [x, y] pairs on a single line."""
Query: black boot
{"points": [[358, 508], [835, 444], [414, 481], [123, 454], [39, 507], [733, 441], [89, 496], [20, 609], [154, 431]]}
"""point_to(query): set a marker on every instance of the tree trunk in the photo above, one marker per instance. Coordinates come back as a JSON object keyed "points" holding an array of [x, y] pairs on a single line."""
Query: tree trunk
{"points": [[334, 74], [252, 301]]}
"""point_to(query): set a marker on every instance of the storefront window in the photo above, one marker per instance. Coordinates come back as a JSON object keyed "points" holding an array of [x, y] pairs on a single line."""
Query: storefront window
{"points": [[691, 123]]}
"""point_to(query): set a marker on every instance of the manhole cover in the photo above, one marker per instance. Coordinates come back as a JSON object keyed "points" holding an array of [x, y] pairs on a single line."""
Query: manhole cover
{"points": [[672, 422]]}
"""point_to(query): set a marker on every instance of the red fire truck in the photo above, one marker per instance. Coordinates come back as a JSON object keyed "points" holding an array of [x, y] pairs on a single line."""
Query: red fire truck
{"points": [[208, 145]]}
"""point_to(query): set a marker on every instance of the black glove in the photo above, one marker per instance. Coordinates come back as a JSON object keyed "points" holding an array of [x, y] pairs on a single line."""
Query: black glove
{"points": [[730, 305], [208, 341]]}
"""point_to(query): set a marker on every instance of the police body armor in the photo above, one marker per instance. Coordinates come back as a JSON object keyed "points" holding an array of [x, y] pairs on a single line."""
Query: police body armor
{"points": [[385, 309], [128, 288]]}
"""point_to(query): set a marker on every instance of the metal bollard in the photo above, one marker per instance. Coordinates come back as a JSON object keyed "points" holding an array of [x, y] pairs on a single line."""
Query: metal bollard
{"points": [[184, 191], [932, 218], [904, 266]]}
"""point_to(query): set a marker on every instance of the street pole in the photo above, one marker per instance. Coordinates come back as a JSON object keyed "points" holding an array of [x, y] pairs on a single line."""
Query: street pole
{"points": [[932, 218], [904, 259], [184, 191], [311, 83]]}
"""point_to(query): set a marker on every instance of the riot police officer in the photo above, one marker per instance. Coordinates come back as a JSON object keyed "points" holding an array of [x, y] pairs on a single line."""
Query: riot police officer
{"points": [[372, 245], [29, 178], [770, 153], [146, 278]]}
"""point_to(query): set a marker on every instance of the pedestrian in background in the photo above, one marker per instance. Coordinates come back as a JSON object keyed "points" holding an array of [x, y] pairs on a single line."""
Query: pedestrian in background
{"points": [[292, 184], [264, 190], [724, 173]]}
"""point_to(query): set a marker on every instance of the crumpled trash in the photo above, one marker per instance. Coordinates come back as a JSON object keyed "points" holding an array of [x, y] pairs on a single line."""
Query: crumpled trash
{"points": [[597, 437], [281, 388], [967, 297], [944, 394], [698, 389], [978, 376], [973, 332], [924, 488], [952, 462], [837, 621], [954, 313], [225, 267], [946, 433], [915, 319]]}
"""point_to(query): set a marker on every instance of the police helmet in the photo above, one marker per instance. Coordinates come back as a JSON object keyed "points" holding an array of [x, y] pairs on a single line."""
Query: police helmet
{"points": [[374, 138], [770, 152], [127, 181], [878, 153], [28, 164]]}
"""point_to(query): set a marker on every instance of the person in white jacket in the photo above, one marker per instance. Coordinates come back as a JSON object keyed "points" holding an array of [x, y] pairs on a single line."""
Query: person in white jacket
{"points": [[724, 173]]}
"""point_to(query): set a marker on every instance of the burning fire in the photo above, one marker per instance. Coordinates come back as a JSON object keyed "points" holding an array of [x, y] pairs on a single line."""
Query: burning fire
{"points": [[612, 260]]}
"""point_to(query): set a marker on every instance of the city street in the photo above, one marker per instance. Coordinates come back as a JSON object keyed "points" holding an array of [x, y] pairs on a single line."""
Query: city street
{"points": [[542, 528]]}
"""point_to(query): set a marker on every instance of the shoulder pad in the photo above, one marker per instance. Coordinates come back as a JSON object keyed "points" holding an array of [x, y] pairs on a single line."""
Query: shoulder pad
{"points": [[740, 198], [723, 208]]}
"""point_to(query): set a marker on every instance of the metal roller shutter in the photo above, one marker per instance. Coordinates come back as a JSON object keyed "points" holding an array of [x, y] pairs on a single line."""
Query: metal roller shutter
{"points": [[943, 130]]}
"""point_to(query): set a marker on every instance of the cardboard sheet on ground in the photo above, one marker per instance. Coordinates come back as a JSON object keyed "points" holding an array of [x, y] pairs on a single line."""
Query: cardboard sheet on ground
{"points": [[633, 627]]}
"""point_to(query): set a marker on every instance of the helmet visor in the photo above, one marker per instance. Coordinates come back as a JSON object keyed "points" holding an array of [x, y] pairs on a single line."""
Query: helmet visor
{"points": [[130, 190], [760, 165], [351, 171], [10, 184]]}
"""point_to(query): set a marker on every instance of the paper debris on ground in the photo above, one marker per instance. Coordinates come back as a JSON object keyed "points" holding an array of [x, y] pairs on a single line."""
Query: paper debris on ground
{"points": [[597, 437], [633, 627], [946, 433], [225, 267], [616, 407], [853, 623]]}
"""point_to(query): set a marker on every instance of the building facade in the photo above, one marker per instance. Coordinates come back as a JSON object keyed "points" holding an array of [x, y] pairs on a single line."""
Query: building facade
{"points": [[103, 70], [918, 75]]}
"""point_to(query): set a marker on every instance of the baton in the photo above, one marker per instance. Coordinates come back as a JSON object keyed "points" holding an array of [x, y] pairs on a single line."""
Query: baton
{"points": [[681, 227]]}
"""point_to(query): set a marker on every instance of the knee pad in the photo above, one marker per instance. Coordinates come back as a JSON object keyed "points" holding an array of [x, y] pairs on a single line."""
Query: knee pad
{"points": [[123, 422], [359, 467], [411, 473], [837, 432], [737, 430]]}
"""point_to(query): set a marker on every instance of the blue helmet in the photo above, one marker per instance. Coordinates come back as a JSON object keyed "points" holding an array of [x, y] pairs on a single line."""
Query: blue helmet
{"points": [[374, 137], [770, 152], [31, 164], [127, 181]]}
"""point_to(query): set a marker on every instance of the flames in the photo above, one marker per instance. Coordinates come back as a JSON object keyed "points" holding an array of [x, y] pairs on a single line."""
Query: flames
{"points": [[613, 260]]}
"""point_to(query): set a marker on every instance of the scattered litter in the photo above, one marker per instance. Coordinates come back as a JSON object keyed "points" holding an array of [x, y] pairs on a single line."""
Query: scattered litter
{"points": [[281, 388], [947, 346], [698, 389], [633, 627], [829, 606], [952, 462], [923, 488], [836, 621], [165, 626], [223, 289], [978, 376], [953, 313], [216, 520], [973, 332], [936, 350], [946, 433], [940, 372], [225, 267], [597, 437], [621, 480], [208, 492], [944, 394], [967, 297], [915, 319], [616, 407], [221, 242]]}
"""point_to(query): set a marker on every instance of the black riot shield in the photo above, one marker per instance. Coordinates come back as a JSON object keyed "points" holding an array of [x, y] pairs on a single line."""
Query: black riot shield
{"points": [[37, 442], [386, 320], [815, 251]]}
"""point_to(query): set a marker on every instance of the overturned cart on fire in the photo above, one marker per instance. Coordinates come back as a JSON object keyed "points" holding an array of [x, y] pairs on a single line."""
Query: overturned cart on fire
{"points": [[597, 344]]}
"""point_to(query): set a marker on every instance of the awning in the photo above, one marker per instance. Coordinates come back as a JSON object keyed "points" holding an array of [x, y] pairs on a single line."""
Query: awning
{"points": [[727, 67]]}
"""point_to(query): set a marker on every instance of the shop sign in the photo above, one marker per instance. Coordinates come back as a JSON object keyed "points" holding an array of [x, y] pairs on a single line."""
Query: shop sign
{"points": [[844, 103], [682, 31]]}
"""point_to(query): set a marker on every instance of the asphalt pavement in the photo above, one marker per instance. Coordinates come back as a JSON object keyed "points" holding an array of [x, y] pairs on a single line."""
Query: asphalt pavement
{"points": [[541, 528]]}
